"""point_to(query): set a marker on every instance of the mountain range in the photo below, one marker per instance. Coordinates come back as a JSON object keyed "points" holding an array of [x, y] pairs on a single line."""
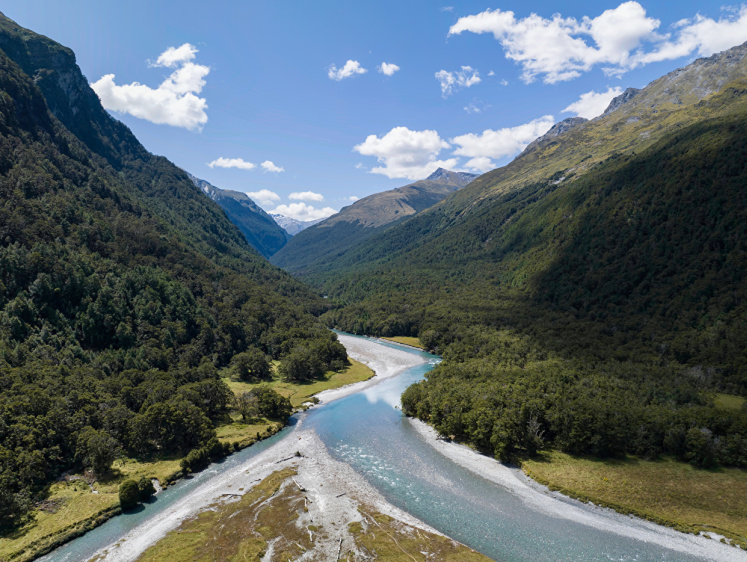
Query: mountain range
{"points": [[259, 228], [293, 226], [314, 247], [592, 294]]}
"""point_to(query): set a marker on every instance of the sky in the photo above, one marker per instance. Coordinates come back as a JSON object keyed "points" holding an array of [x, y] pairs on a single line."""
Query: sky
{"points": [[308, 106]]}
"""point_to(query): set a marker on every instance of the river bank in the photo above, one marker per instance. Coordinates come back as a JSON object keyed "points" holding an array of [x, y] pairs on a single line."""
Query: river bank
{"points": [[558, 505]]}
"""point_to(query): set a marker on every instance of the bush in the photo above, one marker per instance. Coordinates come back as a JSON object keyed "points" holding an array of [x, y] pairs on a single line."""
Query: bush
{"points": [[145, 488], [129, 494]]}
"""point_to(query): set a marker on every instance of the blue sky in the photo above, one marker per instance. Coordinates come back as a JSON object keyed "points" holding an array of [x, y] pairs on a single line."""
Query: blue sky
{"points": [[312, 104]]}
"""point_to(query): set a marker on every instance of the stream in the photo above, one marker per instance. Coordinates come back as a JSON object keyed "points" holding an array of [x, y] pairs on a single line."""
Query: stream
{"points": [[368, 431]]}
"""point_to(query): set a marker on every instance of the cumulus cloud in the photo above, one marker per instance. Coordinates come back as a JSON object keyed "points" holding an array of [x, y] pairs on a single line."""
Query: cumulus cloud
{"points": [[558, 49], [405, 153], [306, 196], [700, 35], [175, 102], [175, 55], [351, 68], [483, 148], [387, 68], [352, 198], [303, 212], [454, 81], [264, 196], [269, 166], [592, 104], [231, 163]]}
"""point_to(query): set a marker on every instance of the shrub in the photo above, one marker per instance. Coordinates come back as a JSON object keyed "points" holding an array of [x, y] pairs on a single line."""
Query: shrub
{"points": [[129, 494]]}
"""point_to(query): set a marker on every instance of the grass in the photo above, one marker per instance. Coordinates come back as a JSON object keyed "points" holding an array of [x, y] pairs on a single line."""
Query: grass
{"points": [[72, 509], [384, 538], [300, 393], [729, 402], [240, 530], [270, 513], [406, 340], [665, 491]]}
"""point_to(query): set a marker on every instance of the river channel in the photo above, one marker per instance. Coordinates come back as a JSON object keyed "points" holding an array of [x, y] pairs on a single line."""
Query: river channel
{"points": [[368, 431]]}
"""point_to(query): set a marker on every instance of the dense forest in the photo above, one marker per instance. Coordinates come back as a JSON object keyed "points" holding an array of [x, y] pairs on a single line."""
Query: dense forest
{"points": [[123, 288], [599, 313]]}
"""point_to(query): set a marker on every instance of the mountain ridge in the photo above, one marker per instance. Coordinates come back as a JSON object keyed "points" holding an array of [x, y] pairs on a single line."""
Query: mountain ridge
{"points": [[357, 222], [257, 226]]}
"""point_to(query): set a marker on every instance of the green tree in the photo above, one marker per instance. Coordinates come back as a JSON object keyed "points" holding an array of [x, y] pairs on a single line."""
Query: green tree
{"points": [[247, 405], [145, 488], [129, 494], [252, 365], [97, 449]]}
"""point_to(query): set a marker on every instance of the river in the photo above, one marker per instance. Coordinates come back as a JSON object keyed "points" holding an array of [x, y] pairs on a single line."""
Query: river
{"points": [[505, 522]]}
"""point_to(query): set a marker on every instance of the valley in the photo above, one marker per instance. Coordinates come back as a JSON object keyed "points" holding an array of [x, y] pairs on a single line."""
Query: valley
{"points": [[532, 348]]}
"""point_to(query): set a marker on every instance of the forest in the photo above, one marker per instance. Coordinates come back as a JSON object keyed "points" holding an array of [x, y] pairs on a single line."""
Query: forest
{"points": [[123, 291]]}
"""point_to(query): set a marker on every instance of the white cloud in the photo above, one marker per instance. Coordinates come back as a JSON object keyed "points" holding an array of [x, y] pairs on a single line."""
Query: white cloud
{"points": [[359, 166], [405, 153], [454, 81], [351, 68], [352, 198], [472, 108], [481, 149], [491, 73], [559, 49], [306, 196], [447, 8], [175, 55], [700, 35], [388, 68], [174, 102], [504, 82], [592, 104], [303, 212], [264, 196], [269, 166], [231, 163]]}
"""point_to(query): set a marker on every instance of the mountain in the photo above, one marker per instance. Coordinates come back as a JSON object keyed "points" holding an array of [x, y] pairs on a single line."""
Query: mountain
{"points": [[259, 228], [293, 226], [123, 287], [332, 237], [592, 294]]}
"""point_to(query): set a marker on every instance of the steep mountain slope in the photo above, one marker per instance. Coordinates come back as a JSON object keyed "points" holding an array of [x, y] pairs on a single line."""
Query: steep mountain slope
{"points": [[122, 286], [310, 250], [259, 228], [592, 293]]}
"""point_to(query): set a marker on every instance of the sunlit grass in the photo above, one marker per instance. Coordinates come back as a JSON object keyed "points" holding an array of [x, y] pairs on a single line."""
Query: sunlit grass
{"points": [[666, 491]]}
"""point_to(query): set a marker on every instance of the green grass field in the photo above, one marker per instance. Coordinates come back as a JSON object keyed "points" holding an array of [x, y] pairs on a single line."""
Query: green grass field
{"points": [[407, 340], [665, 491], [300, 393]]}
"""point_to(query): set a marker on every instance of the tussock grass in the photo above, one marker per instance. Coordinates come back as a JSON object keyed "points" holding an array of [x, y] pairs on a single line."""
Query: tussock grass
{"points": [[665, 491]]}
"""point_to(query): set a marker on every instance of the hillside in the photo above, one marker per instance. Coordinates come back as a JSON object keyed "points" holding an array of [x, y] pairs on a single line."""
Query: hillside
{"points": [[259, 228], [123, 287], [590, 295], [312, 249]]}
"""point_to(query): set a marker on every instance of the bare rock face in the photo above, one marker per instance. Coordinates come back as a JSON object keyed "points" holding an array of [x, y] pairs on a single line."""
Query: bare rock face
{"points": [[623, 98]]}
